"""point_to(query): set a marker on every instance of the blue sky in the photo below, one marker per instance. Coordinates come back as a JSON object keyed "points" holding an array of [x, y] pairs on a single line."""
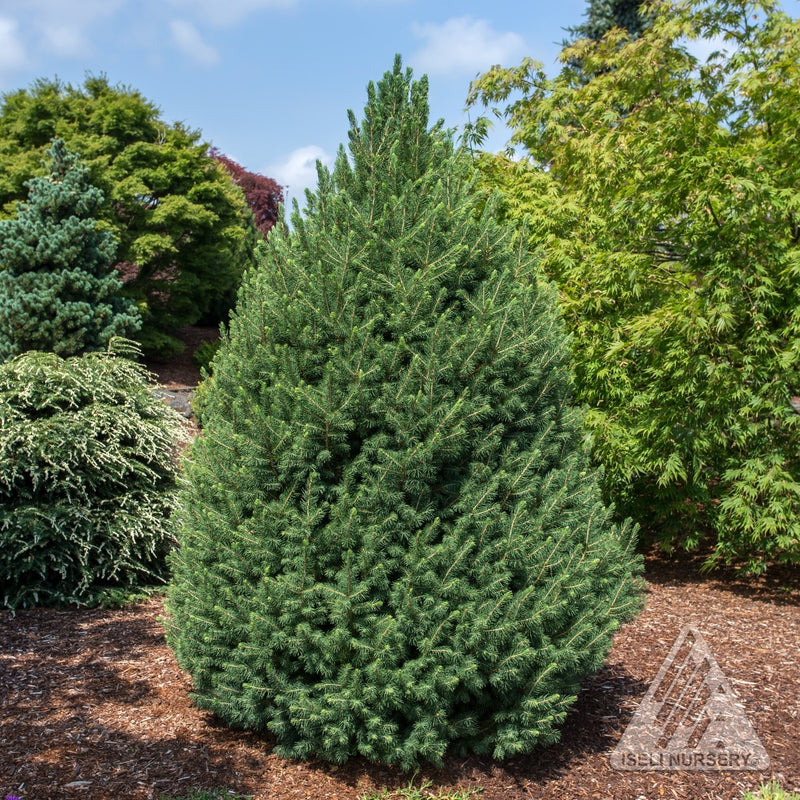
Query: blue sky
{"points": [[269, 82]]}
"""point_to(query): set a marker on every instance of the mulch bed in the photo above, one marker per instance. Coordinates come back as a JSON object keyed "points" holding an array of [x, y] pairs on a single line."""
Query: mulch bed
{"points": [[180, 371], [93, 706]]}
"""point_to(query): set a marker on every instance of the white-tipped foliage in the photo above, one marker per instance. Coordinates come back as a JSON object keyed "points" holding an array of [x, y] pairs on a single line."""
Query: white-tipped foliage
{"points": [[88, 477]]}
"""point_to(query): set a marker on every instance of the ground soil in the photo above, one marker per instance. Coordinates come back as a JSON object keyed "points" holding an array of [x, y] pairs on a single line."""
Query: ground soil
{"points": [[94, 706], [178, 377], [180, 372]]}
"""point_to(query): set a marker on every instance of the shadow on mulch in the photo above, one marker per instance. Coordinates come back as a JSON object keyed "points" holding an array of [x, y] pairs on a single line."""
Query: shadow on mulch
{"points": [[93, 706], [83, 695], [780, 583]]}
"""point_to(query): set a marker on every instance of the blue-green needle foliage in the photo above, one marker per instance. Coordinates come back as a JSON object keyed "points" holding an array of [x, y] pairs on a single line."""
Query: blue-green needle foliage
{"points": [[58, 288], [392, 543]]}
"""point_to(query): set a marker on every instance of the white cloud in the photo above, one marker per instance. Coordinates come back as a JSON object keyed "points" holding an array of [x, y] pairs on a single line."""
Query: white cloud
{"points": [[65, 40], [227, 12], [298, 171], [189, 41], [54, 26], [463, 45], [12, 51]]}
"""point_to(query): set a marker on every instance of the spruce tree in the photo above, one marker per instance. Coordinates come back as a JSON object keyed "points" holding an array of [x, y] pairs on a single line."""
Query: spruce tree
{"points": [[58, 288], [391, 542], [603, 15]]}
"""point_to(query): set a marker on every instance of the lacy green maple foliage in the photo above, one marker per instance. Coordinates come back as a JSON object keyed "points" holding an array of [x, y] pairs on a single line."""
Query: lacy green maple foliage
{"points": [[662, 195]]}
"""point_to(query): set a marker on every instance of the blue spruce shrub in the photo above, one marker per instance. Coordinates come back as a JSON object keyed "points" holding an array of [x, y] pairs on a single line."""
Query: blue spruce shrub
{"points": [[59, 290]]}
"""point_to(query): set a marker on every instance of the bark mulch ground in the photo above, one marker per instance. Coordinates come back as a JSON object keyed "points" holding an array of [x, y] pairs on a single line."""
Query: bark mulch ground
{"points": [[180, 372], [93, 706]]}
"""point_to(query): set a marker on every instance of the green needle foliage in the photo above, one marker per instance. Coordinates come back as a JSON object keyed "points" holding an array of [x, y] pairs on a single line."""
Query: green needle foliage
{"points": [[184, 231], [88, 477], [59, 291], [391, 540], [603, 15], [663, 195]]}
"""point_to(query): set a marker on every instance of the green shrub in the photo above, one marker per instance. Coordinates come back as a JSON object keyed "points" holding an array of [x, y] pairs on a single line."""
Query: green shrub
{"points": [[422, 792], [771, 791], [204, 354], [391, 541], [59, 290], [662, 191], [88, 475]]}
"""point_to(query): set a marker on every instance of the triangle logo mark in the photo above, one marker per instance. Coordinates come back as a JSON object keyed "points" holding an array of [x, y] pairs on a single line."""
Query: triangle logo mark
{"points": [[690, 718]]}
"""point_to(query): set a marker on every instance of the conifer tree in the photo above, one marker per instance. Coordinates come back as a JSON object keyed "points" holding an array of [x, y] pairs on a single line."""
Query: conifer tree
{"points": [[603, 15], [391, 543], [184, 231], [58, 288]]}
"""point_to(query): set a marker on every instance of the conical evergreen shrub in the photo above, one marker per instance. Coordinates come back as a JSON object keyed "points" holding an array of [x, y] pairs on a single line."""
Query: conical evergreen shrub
{"points": [[391, 541], [59, 291]]}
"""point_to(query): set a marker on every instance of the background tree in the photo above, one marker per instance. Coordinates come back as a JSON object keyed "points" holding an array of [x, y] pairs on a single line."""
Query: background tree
{"points": [[392, 542], [603, 15], [59, 290], [263, 195], [184, 231], [663, 196], [630, 17]]}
